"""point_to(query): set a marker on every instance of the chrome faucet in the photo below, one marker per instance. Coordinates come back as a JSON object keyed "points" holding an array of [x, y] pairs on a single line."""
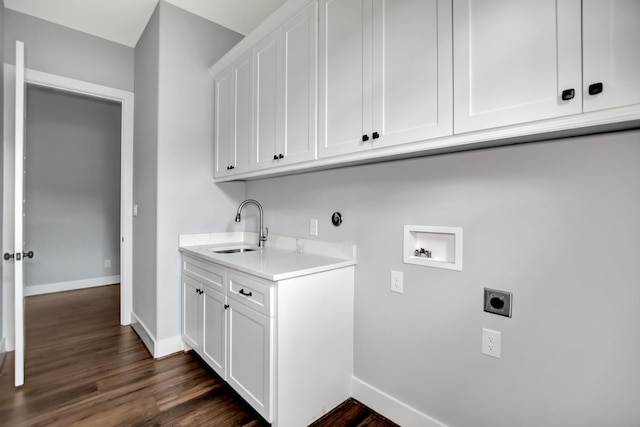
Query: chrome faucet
{"points": [[262, 237]]}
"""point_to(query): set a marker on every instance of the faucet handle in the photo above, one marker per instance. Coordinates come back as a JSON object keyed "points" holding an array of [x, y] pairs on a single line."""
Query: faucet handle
{"points": [[266, 234]]}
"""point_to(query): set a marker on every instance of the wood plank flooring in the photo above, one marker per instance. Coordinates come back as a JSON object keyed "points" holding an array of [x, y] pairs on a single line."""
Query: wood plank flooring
{"points": [[83, 369]]}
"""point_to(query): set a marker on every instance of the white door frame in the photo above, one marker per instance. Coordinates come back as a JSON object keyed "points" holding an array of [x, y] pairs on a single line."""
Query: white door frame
{"points": [[126, 99]]}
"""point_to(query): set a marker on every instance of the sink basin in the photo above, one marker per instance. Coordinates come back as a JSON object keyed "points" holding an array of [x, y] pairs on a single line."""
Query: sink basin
{"points": [[233, 251]]}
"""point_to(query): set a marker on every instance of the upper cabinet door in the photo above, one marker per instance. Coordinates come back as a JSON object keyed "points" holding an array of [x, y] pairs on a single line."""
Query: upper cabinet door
{"points": [[300, 64], [412, 70], [266, 58], [242, 73], [345, 76], [515, 61], [611, 33], [225, 151]]}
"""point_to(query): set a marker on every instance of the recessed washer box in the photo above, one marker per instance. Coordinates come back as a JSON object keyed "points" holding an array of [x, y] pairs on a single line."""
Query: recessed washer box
{"points": [[439, 247]]}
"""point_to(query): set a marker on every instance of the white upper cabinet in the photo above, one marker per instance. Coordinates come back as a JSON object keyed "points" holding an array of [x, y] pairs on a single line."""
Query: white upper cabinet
{"points": [[242, 71], [286, 87], [234, 117], [514, 60], [345, 104], [225, 152], [412, 70], [300, 71], [385, 73], [611, 50], [266, 58]]}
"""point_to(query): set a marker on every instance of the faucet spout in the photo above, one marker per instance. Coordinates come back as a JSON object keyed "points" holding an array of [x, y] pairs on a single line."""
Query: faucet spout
{"points": [[262, 236]]}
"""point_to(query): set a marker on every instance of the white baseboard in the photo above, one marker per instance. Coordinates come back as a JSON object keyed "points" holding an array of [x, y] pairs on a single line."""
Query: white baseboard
{"points": [[146, 337], [48, 288], [157, 348], [167, 346], [391, 407]]}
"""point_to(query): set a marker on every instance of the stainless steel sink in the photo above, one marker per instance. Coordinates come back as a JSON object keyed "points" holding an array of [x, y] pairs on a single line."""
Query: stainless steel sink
{"points": [[234, 251]]}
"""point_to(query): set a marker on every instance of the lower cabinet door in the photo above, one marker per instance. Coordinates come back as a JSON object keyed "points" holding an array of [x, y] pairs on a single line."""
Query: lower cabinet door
{"points": [[191, 312], [214, 327], [250, 358]]}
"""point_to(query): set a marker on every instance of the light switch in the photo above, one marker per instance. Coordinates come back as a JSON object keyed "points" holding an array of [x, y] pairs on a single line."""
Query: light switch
{"points": [[313, 227]]}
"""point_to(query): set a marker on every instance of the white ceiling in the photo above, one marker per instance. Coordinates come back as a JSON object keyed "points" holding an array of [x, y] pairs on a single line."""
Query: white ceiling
{"points": [[123, 21]]}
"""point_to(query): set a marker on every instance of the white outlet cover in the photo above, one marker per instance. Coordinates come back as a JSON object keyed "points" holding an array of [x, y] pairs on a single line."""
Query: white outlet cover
{"points": [[491, 343], [396, 281], [313, 227]]}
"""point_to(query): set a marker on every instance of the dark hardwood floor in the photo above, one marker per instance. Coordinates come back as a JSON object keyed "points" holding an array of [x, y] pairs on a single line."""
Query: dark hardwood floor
{"points": [[83, 369]]}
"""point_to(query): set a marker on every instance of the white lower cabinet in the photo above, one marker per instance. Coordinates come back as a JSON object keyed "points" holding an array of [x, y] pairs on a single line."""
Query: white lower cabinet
{"points": [[286, 347], [250, 356]]}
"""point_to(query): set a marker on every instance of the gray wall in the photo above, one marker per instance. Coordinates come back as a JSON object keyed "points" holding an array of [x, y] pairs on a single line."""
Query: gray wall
{"points": [[557, 223], [173, 157], [188, 200], [59, 50], [72, 186], [145, 174]]}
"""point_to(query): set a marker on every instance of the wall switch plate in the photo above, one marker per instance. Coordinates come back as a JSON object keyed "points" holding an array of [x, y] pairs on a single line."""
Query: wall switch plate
{"points": [[396, 281], [135, 209], [313, 227], [107, 263], [498, 302], [491, 343]]}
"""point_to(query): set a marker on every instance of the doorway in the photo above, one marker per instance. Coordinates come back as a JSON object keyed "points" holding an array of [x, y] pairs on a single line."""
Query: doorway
{"points": [[125, 99], [72, 188]]}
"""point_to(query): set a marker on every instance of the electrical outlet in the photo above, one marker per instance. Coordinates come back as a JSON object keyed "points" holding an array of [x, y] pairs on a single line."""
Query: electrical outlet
{"points": [[491, 343], [313, 227], [396, 281], [107, 263]]}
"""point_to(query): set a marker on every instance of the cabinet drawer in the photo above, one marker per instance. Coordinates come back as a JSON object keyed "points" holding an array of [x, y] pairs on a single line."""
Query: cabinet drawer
{"points": [[204, 272], [251, 293]]}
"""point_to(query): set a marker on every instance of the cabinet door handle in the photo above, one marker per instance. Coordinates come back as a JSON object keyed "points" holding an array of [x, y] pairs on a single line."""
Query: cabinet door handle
{"points": [[226, 306], [375, 135], [281, 156], [568, 94], [275, 157], [246, 294], [365, 138], [595, 88]]}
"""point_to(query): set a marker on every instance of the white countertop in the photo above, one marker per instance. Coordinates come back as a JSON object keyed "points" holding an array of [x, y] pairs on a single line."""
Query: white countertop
{"points": [[281, 258]]}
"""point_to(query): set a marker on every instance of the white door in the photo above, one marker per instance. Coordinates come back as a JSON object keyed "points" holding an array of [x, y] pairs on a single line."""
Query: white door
{"points": [[191, 312], [214, 330], [345, 77], [611, 34], [300, 70], [515, 62], [249, 358], [18, 216], [242, 74], [225, 149], [412, 70], [268, 129]]}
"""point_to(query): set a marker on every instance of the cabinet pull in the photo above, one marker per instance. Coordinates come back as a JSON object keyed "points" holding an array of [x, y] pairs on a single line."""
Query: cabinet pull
{"points": [[568, 94], [246, 294], [375, 135], [226, 306], [595, 88], [365, 138], [275, 157], [281, 156]]}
